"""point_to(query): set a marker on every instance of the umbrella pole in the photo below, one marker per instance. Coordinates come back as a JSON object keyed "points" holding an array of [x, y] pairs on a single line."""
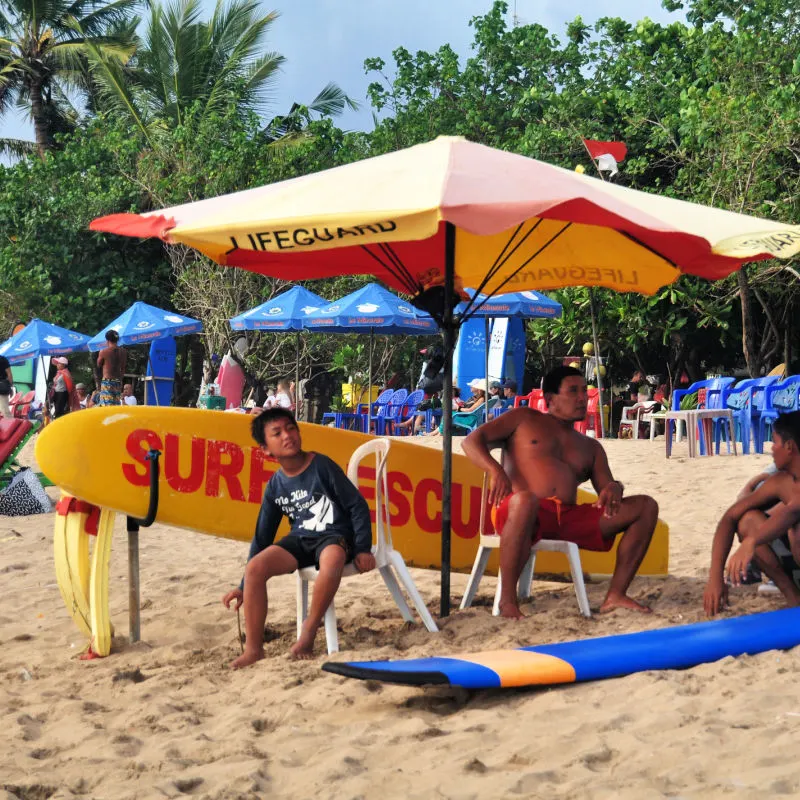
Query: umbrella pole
{"points": [[598, 365], [297, 402], [486, 367], [449, 329], [369, 381]]}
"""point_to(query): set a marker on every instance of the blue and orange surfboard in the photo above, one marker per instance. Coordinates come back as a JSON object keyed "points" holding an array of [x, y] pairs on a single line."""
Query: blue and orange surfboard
{"points": [[590, 659]]}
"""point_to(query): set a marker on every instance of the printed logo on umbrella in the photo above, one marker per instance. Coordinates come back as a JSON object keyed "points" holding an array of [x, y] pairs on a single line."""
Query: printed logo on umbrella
{"points": [[144, 324], [23, 345], [309, 309], [274, 310], [405, 309], [173, 318], [368, 308], [330, 310], [52, 340]]}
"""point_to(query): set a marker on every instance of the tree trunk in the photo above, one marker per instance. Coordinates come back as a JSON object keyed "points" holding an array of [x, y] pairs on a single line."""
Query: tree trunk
{"points": [[749, 347], [40, 126]]}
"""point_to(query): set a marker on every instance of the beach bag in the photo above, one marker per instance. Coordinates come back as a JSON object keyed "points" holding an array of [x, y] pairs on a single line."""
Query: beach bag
{"points": [[24, 495], [5, 386]]}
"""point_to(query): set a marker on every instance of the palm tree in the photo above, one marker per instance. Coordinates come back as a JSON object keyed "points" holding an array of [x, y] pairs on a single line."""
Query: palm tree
{"points": [[184, 63], [43, 49]]}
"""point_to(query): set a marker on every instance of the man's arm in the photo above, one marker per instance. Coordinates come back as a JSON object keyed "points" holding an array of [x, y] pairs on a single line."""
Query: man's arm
{"points": [[609, 491], [355, 506], [269, 518], [477, 448], [767, 494]]}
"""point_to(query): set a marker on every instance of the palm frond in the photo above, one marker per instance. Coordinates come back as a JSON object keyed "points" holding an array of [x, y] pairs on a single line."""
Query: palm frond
{"points": [[331, 101], [17, 148]]}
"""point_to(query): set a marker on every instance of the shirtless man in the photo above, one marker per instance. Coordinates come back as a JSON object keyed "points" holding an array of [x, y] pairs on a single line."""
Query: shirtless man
{"points": [[534, 493], [765, 521], [111, 361]]}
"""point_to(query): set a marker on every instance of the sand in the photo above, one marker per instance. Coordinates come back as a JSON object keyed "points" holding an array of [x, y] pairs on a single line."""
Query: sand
{"points": [[166, 718]]}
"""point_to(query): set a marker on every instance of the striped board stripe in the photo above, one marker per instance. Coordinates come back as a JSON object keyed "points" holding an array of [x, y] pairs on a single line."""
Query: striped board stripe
{"points": [[590, 659]]}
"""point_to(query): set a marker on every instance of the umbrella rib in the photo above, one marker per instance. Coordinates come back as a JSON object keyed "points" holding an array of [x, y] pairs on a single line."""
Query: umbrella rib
{"points": [[412, 287], [399, 265], [537, 253], [648, 248]]}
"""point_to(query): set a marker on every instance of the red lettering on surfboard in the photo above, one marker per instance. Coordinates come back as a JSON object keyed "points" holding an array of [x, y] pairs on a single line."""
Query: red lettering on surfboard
{"points": [[262, 468], [466, 528], [194, 480], [137, 444], [399, 483], [367, 492], [428, 523], [227, 469]]}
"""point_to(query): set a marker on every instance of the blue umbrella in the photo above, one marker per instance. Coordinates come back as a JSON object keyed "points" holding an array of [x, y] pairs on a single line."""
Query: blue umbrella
{"points": [[39, 338], [372, 308], [285, 312], [529, 305], [142, 323]]}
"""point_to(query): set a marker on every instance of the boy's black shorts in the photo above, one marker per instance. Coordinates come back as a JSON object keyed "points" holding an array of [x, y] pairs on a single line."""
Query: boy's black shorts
{"points": [[307, 549]]}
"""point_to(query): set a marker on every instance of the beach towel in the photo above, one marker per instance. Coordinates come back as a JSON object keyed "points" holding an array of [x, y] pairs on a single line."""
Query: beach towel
{"points": [[24, 495]]}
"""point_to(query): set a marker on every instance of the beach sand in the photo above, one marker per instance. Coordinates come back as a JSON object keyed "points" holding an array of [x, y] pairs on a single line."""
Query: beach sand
{"points": [[167, 718]]}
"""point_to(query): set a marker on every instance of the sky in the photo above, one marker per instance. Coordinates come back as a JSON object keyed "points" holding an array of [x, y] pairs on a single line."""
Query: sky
{"points": [[328, 40]]}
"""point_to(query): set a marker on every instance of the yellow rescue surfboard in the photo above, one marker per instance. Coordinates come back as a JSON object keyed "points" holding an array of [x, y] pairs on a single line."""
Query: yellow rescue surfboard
{"points": [[213, 477]]}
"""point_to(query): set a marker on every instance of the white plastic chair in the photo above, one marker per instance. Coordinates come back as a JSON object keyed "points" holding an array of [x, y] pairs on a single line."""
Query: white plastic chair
{"points": [[388, 560], [491, 541]]}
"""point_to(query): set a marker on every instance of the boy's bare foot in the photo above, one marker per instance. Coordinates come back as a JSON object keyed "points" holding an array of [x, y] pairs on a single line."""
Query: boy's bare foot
{"points": [[614, 601], [247, 658], [510, 610], [303, 648]]}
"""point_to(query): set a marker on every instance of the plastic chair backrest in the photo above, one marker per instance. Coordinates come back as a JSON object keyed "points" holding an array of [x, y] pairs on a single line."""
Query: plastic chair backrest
{"points": [[383, 528], [413, 400], [714, 391], [383, 398], [784, 396], [399, 397], [759, 391], [739, 397]]}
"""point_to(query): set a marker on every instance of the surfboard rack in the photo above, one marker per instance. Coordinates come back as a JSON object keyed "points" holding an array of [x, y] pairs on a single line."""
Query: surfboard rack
{"points": [[133, 525], [152, 509]]}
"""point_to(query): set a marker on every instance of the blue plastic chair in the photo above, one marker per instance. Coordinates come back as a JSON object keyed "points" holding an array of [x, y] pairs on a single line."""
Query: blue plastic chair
{"points": [[714, 387], [407, 411], [389, 412], [378, 408], [740, 399], [781, 398]]}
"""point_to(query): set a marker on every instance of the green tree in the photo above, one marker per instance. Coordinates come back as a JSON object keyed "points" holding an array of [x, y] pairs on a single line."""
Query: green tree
{"points": [[43, 50]]}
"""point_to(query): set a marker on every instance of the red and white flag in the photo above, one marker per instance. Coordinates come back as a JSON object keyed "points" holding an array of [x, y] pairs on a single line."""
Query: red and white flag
{"points": [[607, 154]]}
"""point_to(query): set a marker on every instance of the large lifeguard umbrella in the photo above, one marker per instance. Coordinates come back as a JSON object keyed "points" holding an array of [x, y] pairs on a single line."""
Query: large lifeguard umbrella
{"points": [[450, 213], [287, 311], [375, 309]]}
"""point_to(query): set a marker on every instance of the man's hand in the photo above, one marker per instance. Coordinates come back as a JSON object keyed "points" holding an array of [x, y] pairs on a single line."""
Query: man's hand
{"points": [[715, 597], [364, 562], [499, 487], [610, 498], [234, 595], [739, 561]]}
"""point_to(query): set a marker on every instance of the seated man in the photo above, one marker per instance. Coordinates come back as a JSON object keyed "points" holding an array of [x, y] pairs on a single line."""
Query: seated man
{"points": [[330, 526], [766, 530], [534, 495], [509, 393]]}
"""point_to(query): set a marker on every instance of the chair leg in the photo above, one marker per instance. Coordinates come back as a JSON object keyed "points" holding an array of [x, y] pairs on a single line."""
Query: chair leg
{"points": [[526, 577], [397, 595], [497, 593], [404, 576], [331, 634], [577, 580], [302, 603], [478, 568]]}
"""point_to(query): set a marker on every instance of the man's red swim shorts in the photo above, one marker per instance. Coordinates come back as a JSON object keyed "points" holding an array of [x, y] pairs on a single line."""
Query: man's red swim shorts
{"points": [[569, 523]]}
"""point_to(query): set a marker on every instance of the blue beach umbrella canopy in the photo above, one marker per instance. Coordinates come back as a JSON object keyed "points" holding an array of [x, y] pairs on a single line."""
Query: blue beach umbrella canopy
{"points": [[40, 338], [528, 305], [372, 308], [143, 323], [375, 309], [287, 311]]}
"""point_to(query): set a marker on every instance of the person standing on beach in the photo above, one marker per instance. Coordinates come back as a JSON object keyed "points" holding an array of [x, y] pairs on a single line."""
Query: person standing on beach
{"points": [[64, 397], [111, 362], [6, 382], [330, 526], [533, 492], [765, 521]]}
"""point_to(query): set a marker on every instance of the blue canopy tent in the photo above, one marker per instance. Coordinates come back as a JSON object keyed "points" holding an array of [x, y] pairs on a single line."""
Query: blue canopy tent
{"points": [[526, 305], [143, 323], [287, 311], [372, 308]]}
